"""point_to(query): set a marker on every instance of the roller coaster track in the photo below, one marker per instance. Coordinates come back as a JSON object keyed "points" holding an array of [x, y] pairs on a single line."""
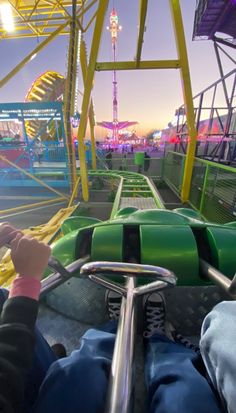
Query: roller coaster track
{"points": [[134, 190]]}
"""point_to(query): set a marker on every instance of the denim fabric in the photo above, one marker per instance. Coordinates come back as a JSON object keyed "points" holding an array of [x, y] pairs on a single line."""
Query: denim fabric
{"points": [[78, 383], [174, 375], [175, 379]]}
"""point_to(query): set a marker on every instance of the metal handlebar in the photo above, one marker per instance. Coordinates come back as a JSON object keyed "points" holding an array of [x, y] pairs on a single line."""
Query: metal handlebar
{"points": [[120, 389], [225, 283], [62, 274], [96, 271], [132, 270]]}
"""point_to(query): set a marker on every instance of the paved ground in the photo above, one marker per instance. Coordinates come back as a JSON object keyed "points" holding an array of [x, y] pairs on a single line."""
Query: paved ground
{"points": [[31, 216]]}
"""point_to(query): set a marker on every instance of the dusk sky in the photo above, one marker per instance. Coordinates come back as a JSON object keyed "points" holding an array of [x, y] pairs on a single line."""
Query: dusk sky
{"points": [[149, 97]]}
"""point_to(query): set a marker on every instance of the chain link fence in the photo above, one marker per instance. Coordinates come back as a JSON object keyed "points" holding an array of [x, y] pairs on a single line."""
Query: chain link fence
{"points": [[213, 186], [173, 170]]}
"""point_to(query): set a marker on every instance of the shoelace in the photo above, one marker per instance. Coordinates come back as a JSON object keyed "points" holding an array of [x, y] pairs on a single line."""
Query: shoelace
{"points": [[155, 321], [185, 342]]}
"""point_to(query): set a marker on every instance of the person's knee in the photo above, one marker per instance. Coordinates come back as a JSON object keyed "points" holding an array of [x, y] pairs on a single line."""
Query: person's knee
{"points": [[222, 315], [218, 334], [73, 380]]}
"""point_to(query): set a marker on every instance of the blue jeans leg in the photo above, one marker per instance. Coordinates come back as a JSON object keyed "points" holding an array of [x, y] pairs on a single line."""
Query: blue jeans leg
{"points": [[218, 341], [42, 360], [175, 381], [78, 383]]}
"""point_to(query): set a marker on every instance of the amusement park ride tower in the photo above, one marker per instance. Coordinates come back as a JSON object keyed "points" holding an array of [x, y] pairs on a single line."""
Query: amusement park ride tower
{"points": [[114, 28], [115, 125]]}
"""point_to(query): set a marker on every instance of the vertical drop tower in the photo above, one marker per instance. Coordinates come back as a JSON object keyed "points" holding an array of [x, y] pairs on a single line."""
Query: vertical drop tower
{"points": [[115, 125]]}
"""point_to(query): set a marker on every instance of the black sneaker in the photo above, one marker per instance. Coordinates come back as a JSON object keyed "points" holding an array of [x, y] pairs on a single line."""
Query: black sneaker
{"points": [[113, 304], [155, 310]]}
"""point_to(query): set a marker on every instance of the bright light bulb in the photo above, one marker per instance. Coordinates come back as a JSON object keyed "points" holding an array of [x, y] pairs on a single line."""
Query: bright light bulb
{"points": [[7, 17]]}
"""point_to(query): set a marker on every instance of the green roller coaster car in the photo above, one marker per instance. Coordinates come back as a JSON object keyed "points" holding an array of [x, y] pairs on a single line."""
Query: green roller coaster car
{"points": [[176, 240]]}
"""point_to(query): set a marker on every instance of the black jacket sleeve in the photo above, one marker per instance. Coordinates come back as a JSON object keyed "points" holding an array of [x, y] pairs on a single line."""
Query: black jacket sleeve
{"points": [[17, 338]]}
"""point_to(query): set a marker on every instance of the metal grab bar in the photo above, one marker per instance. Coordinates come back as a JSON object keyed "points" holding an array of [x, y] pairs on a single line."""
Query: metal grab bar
{"points": [[61, 275], [229, 286], [120, 269], [120, 388]]}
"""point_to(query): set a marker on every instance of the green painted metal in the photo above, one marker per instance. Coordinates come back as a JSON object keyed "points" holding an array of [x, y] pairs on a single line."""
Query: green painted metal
{"points": [[204, 188], [187, 212], [218, 165], [77, 222], [231, 224], [212, 187], [152, 216], [124, 212], [139, 158], [172, 247], [155, 194], [135, 192], [117, 198], [65, 248], [173, 171], [222, 242], [173, 239], [107, 243], [135, 185]]}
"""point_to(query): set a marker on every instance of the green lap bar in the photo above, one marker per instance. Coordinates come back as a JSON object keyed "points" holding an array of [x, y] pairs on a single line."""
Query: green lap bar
{"points": [[172, 247]]}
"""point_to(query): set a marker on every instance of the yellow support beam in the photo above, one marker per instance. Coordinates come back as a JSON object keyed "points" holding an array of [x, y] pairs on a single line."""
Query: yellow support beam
{"points": [[90, 22], [31, 27], [188, 97], [31, 54], [35, 7], [32, 36], [39, 18], [146, 64], [102, 7], [34, 205], [69, 94], [84, 68], [142, 19], [93, 143], [47, 25], [85, 9], [73, 195]]}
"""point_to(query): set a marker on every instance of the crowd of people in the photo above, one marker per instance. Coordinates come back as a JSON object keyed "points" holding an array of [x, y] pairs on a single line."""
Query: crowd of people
{"points": [[180, 378]]}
